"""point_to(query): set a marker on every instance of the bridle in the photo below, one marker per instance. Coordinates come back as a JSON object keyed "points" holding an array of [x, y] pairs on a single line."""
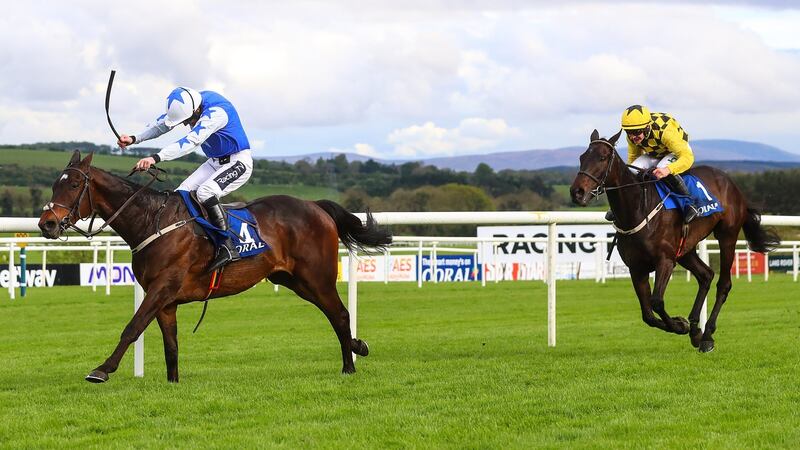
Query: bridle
{"points": [[601, 189], [66, 222], [601, 184]]}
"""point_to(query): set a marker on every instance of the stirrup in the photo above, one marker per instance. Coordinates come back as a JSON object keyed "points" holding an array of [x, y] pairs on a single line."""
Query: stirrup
{"points": [[690, 214], [223, 258]]}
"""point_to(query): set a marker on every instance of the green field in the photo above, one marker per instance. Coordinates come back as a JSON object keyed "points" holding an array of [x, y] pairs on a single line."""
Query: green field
{"points": [[46, 158], [120, 163], [451, 366]]}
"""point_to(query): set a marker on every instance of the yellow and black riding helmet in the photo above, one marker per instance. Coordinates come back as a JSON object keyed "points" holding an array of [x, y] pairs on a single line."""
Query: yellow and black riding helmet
{"points": [[636, 117]]}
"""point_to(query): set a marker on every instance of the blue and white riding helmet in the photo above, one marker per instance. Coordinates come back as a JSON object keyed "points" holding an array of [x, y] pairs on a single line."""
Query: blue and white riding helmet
{"points": [[181, 103]]}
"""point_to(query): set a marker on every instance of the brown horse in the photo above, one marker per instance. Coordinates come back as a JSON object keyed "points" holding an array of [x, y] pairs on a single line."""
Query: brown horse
{"points": [[303, 237], [659, 244]]}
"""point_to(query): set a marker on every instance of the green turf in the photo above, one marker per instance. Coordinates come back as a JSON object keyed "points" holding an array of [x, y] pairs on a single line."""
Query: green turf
{"points": [[451, 366]]}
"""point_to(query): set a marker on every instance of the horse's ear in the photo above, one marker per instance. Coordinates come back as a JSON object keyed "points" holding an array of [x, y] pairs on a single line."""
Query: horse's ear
{"points": [[595, 136], [76, 158], [615, 137], [88, 160]]}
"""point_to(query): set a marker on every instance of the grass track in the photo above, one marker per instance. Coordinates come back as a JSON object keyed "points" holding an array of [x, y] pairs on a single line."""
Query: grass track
{"points": [[451, 365]]}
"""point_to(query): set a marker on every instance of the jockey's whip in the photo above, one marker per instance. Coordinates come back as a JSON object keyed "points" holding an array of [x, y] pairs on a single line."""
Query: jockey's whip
{"points": [[108, 100]]}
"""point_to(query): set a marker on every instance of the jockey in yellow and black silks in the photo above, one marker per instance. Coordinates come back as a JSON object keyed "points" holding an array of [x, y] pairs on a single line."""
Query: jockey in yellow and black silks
{"points": [[658, 140]]}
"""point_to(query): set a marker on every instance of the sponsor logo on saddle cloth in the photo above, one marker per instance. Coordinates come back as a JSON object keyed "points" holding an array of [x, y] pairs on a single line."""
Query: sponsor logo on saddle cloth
{"points": [[242, 228], [245, 235], [703, 200]]}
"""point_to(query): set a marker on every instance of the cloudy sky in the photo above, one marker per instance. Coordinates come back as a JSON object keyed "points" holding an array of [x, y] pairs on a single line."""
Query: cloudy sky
{"points": [[428, 78]]}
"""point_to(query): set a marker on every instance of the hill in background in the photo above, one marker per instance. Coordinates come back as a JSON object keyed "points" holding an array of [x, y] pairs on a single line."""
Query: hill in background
{"points": [[723, 153]]}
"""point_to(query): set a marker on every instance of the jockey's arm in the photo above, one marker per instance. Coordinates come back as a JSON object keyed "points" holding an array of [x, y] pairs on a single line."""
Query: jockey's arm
{"points": [[210, 122], [680, 148], [152, 130]]}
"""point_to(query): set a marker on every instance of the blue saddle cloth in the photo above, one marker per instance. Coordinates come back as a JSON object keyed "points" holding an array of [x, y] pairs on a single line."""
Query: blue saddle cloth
{"points": [[241, 224], [703, 200]]}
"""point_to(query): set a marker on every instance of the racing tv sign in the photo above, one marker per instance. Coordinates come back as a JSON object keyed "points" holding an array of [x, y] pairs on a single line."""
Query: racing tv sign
{"points": [[527, 260]]}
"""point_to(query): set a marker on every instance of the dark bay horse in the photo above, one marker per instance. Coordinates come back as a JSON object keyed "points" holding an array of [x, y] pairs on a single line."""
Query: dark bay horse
{"points": [[303, 236], [658, 245]]}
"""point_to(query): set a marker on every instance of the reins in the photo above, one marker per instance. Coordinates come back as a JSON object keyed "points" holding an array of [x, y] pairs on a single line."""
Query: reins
{"points": [[601, 188], [67, 224]]}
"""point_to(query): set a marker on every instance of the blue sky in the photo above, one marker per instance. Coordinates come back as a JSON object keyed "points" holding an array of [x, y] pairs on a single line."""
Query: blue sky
{"points": [[421, 79]]}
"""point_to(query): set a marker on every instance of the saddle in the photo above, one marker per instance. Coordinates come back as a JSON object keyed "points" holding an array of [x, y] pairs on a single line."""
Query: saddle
{"points": [[225, 206], [705, 202], [242, 225]]}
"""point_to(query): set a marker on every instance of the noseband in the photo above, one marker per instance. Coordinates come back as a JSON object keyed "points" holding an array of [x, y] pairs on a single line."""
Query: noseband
{"points": [[601, 184]]}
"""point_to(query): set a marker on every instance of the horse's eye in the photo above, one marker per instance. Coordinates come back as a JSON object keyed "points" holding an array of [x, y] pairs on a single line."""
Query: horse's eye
{"points": [[74, 185]]}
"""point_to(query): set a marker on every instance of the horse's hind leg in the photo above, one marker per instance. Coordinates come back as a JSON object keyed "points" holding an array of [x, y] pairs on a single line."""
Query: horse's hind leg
{"points": [[326, 298], [168, 322], [703, 274], [727, 251]]}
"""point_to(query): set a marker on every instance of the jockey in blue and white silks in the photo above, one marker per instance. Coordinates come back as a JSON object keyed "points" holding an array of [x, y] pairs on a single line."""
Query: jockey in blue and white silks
{"points": [[217, 130]]}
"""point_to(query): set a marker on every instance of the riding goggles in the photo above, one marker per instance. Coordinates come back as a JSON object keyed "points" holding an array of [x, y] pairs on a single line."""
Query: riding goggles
{"points": [[636, 132]]}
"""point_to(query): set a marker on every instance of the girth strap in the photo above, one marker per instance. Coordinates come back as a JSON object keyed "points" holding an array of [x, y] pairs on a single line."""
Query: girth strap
{"points": [[158, 234], [644, 222]]}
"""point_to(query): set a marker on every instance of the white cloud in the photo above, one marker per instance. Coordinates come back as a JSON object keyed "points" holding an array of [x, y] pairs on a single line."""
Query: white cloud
{"points": [[370, 67], [471, 135]]}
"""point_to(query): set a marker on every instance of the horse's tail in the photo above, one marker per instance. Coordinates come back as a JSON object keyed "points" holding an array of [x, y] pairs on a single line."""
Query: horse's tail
{"points": [[368, 238], [759, 239]]}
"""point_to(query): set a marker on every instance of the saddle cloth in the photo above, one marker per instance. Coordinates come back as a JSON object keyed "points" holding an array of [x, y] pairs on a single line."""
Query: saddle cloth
{"points": [[242, 228], [703, 200]]}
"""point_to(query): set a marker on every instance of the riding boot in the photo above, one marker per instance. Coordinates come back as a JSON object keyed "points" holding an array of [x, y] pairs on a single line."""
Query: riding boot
{"points": [[610, 216], [227, 252], [675, 182]]}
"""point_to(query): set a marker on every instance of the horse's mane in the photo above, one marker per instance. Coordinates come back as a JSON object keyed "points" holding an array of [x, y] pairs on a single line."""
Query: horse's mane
{"points": [[149, 197]]}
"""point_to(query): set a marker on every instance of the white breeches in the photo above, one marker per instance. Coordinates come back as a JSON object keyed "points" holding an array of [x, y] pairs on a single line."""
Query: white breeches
{"points": [[219, 180], [648, 162]]}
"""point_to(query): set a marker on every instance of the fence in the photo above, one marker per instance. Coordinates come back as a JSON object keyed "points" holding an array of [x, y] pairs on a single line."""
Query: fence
{"points": [[551, 219]]}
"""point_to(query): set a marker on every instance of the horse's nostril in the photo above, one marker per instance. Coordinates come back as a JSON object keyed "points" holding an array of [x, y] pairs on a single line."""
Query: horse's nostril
{"points": [[49, 225]]}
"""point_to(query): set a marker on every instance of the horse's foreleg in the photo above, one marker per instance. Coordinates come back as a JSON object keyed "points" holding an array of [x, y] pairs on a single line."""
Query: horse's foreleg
{"points": [[168, 322], [677, 325], [152, 304], [703, 274], [641, 284]]}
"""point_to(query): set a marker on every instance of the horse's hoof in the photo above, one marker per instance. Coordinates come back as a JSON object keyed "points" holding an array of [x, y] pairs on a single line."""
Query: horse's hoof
{"points": [[706, 346], [97, 376], [681, 325], [359, 347], [695, 338], [364, 350], [348, 370]]}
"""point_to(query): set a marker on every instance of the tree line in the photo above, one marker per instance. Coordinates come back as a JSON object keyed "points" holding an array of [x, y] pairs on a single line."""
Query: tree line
{"points": [[410, 186]]}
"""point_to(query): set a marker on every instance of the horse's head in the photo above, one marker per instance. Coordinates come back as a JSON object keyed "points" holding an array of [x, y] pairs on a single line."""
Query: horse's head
{"points": [[596, 163], [69, 202]]}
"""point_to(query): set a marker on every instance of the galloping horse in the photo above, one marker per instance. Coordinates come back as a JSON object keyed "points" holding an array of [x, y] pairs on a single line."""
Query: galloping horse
{"points": [[654, 241], [303, 236]]}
